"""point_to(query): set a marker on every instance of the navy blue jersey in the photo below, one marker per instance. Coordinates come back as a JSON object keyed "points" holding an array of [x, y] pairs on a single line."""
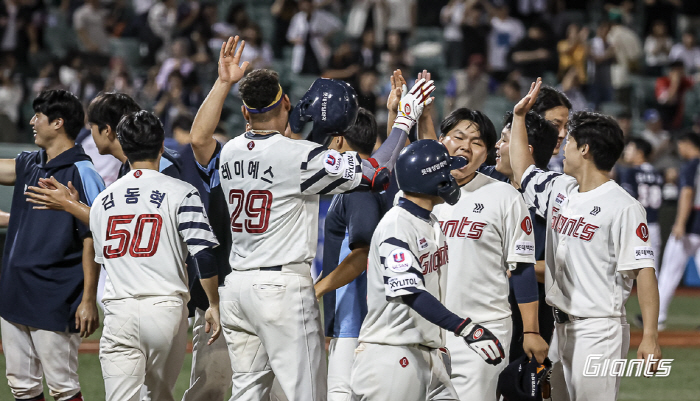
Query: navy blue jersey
{"points": [[644, 183], [41, 282], [689, 179], [350, 223], [169, 165]]}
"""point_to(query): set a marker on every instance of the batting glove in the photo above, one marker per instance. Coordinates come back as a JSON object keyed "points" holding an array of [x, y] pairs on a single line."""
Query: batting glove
{"points": [[481, 341], [411, 105]]}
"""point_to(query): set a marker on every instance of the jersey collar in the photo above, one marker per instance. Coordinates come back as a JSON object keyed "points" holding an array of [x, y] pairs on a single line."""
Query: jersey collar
{"points": [[414, 209], [252, 135]]}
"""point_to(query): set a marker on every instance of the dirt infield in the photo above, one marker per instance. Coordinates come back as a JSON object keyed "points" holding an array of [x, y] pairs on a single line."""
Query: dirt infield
{"points": [[678, 339]]}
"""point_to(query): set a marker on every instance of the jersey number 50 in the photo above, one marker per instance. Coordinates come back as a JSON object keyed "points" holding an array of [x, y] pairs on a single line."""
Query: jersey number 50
{"points": [[124, 236], [257, 208]]}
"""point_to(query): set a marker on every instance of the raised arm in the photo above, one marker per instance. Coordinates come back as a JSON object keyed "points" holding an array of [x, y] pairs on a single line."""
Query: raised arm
{"points": [[209, 114], [426, 127], [7, 172], [520, 156]]}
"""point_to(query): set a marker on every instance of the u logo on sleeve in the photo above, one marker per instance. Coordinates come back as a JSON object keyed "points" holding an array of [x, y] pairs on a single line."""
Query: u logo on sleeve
{"points": [[399, 260], [333, 162]]}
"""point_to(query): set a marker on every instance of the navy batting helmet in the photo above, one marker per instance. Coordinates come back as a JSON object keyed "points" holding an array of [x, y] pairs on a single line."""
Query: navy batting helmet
{"points": [[525, 380], [332, 107], [424, 167]]}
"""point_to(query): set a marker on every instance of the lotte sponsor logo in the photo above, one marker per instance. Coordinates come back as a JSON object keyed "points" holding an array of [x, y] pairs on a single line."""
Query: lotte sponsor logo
{"points": [[643, 232], [526, 225], [403, 362]]}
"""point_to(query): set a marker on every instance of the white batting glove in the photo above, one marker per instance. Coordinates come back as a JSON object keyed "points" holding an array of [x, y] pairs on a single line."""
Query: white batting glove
{"points": [[481, 341], [411, 105]]}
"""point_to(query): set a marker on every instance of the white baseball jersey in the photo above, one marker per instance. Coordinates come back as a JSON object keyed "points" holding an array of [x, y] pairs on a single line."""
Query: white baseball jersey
{"points": [[143, 226], [593, 239], [272, 185], [488, 232], [407, 254]]}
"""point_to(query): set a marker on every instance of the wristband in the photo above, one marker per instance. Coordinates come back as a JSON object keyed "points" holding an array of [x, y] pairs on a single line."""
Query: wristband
{"points": [[531, 332]]}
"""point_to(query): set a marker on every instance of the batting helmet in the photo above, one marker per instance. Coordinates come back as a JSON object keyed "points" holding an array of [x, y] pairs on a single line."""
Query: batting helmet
{"points": [[424, 167], [525, 380], [332, 107]]}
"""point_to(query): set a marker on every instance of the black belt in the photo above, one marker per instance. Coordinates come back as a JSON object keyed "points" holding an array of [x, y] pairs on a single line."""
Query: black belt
{"points": [[563, 317], [271, 269]]}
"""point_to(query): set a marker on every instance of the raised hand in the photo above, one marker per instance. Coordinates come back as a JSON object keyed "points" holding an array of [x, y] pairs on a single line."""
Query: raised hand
{"points": [[398, 90], [229, 69], [428, 105], [411, 106], [51, 194], [525, 104]]}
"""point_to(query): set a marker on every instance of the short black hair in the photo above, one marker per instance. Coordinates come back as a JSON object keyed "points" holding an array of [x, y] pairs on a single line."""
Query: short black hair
{"points": [[601, 133], [486, 129], [362, 135], [541, 135], [550, 98], [59, 103], [642, 145], [109, 108], [259, 89], [692, 137], [141, 135], [184, 122]]}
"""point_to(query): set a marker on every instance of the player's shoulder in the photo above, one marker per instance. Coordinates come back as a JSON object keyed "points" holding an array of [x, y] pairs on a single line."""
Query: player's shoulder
{"points": [[495, 185], [618, 197]]}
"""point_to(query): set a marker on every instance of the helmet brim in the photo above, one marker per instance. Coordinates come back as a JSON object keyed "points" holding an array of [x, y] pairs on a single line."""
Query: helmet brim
{"points": [[457, 162]]}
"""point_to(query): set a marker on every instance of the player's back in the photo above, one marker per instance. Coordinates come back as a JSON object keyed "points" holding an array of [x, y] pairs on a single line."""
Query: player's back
{"points": [[137, 225], [645, 183], [271, 184]]}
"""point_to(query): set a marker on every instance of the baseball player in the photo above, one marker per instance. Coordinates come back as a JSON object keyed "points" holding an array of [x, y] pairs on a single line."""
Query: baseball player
{"points": [[588, 288], [406, 282], [270, 315], [554, 106], [645, 183], [684, 240], [489, 232], [348, 229], [144, 224], [48, 275]]}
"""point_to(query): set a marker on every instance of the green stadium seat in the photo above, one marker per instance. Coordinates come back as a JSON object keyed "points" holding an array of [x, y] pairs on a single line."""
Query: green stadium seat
{"points": [[128, 49]]}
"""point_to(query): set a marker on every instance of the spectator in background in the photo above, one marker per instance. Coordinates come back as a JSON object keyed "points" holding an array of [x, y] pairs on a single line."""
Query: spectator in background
{"points": [[628, 53], [367, 91], [283, 11], [366, 14], [236, 20], [90, 26], [187, 17], [344, 64], [469, 87], [369, 52], [624, 120], [662, 10], [475, 30], [257, 52], [688, 52], [535, 54], [573, 52], [670, 92], [309, 31], [21, 27], [622, 9], [162, 19], [452, 17], [530, 11], [506, 31], [176, 99], [512, 90], [10, 95], [689, 16], [395, 56], [656, 135], [657, 48], [178, 61], [401, 17], [601, 58], [571, 86]]}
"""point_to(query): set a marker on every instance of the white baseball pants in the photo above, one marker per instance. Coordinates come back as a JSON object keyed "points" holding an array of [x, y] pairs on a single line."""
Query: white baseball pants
{"points": [[272, 325], [675, 259], [143, 343], [31, 354], [400, 373], [341, 354], [601, 339], [472, 377], [211, 373]]}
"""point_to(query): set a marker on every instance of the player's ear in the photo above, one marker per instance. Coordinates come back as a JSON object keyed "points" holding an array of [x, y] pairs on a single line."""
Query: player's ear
{"points": [[57, 123], [531, 149], [111, 135], [245, 113], [286, 103]]}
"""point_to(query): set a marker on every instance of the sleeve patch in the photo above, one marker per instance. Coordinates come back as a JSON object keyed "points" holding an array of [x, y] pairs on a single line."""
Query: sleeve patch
{"points": [[333, 162], [403, 281], [399, 260], [422, 243], [526, 225], [643, 252], [350, 163], [524, 247], [643, 232]]}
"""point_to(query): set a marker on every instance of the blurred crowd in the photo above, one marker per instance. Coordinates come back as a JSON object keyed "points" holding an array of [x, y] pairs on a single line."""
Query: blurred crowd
{"points": [[637, 60]]}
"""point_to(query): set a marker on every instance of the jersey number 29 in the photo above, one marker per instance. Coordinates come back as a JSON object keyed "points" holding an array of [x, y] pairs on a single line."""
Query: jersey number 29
{"points": [[126, 242], [257, 207]]}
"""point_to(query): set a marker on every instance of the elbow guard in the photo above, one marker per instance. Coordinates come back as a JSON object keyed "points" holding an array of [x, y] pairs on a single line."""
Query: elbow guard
{"points": [[379, 179]]}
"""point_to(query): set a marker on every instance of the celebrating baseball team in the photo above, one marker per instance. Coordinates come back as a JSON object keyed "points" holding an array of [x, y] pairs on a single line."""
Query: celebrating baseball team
{"points": [[444, 277]]}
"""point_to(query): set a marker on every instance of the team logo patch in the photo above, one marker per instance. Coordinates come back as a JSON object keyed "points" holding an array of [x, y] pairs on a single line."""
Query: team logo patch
{"points": [[422, 243], [403, 362], [643, 232], [560, 199], [595, 211], [251, 145], [526, 225], [399, 260], [138, 173], [333, 162], [478, 207], [478, 333]]}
